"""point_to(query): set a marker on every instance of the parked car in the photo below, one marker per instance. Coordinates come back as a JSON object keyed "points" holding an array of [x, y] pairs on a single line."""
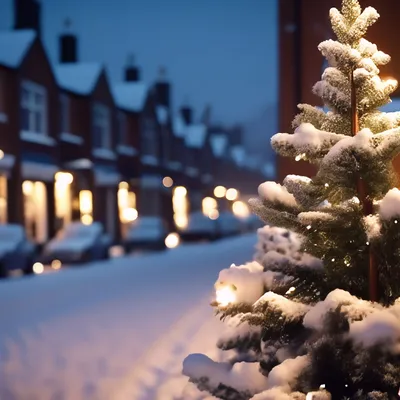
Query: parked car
{"points": [[77, 243], [199, 227], [16, 251], [228, 224], [146, 233]]}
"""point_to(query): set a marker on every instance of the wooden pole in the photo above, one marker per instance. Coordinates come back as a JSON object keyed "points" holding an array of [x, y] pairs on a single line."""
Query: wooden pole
{"points": [[364, 199]]}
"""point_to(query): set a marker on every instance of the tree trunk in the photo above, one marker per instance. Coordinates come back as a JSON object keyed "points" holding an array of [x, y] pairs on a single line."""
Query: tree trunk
{"points": [[364, 199]]}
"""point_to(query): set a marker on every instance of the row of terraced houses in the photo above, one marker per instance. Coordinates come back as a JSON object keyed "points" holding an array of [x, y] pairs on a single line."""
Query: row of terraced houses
{"points": [[75, 146]]}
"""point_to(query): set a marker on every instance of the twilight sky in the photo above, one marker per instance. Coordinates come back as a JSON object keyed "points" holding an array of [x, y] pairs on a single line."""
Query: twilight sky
{"points": [[217, 51]]}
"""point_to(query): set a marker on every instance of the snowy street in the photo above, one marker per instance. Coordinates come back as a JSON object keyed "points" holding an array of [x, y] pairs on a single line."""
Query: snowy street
{"points": [[114, 330]]}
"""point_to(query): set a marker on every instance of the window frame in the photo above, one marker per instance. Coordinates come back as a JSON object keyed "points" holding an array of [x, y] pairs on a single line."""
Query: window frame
{"points": [[30, 105], [101, 113]]}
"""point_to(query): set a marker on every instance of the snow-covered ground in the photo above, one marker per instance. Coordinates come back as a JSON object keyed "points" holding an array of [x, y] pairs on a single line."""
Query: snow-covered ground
{"points": [[112, 330]]}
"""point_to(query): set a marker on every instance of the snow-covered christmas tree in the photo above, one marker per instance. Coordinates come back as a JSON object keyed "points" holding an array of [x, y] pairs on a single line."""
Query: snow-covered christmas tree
{"points": [[316, 315]]}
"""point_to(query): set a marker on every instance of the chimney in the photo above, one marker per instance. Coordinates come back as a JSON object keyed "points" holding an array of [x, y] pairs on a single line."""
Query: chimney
{"points": [[27, 15], [132, 73], [68, 45], [162, 87]]}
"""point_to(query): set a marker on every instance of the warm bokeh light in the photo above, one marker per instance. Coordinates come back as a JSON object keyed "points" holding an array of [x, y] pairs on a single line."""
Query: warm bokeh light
{"points": [[85, 201], [208, 205], [219, 191], [38, 268], [1, 154], [214, 214], [63, 178], [27, 187], [180, 207], [240, 209], [129, 214], [167, 182], [86, 219], [232, 194], [123, 185], [180, 191], [56, 264], [172, 240], [225, 296]]}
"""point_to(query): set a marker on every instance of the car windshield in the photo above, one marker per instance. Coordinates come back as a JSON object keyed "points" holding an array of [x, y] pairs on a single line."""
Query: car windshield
{"points": [[11, 233], [78, 230]]}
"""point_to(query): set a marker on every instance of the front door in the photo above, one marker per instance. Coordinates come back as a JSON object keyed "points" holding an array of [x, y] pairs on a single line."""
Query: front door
{"points": [[35, 211]]}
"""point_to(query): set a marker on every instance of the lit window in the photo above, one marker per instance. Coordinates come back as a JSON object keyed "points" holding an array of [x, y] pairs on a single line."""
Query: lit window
{"points": [[33, 108], [64, 113], [86, 206], [101, 126]]}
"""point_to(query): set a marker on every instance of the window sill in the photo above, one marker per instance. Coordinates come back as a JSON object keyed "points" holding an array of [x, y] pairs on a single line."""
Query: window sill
{"points": [[71, 138], [106, 154], [126, 150], [37, 137], [149, 160], [3, 118]]}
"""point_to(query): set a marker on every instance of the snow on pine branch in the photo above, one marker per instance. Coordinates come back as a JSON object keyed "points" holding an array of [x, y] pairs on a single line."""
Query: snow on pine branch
{"points": [[372, 225], [290, 309], [351, 306], [389, 206], [243, 377], [249, 279], [273, 192], [349, 31], [307, 142]]}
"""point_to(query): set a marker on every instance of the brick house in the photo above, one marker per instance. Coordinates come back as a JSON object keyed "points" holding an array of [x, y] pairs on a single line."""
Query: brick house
{"points": [[28, 134], [88, 139], [303, 24]]}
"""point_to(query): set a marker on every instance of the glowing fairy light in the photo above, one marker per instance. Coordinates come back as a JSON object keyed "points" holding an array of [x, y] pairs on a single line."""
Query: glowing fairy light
{"points": [[298, 157], [367, 243], [356, 200], [225, 295], [395, 221], [333, 260], [38, 268], [290, 290], [308, 227], [172, 240], [322, 386], [326, 185]]}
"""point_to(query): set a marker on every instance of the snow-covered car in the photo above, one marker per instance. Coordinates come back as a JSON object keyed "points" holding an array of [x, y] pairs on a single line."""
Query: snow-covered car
{"points": [[146, 233], [78, 243], [16, 251], [199, 227], [228, 224]]}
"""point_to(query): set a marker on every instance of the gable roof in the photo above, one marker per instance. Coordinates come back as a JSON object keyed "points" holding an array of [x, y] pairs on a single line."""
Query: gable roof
{"points": [[80, 78], [130, 96], [195, 135], [218, 143], [14, 46]]}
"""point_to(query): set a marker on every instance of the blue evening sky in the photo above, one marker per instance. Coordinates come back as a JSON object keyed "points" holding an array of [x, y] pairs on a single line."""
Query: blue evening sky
{"points": [[218, 51]]}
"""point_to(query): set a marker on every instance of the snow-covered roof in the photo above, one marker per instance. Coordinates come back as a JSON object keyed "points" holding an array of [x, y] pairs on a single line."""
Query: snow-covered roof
{"points": [[162, 114], [80, 78], [14, 45], [393, 106], [130, 96], [179, 126], [238, 154], [195, 135], [218, 143]]}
